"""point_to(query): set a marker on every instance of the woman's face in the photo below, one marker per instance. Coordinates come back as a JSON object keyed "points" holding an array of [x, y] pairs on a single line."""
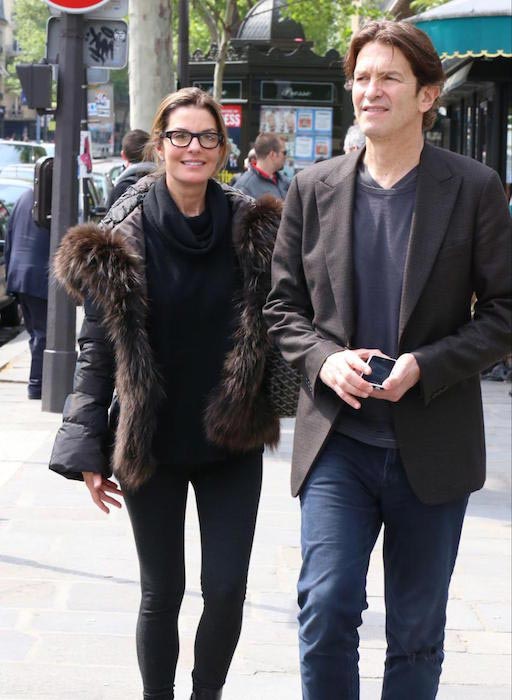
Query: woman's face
{"points": [[192, 164]]}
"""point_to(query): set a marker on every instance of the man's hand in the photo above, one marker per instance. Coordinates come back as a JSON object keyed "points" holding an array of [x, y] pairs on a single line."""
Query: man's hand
{"points": [[98, 486], [404, 375], [341, 372]]}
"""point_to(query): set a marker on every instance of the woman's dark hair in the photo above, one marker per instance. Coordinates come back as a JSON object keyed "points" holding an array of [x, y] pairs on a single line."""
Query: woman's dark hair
{"points": [[415, 46]]}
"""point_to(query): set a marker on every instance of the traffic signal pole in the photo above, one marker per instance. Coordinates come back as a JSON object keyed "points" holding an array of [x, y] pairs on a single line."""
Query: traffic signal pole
{"points": [[60, 354], [183, 44]]}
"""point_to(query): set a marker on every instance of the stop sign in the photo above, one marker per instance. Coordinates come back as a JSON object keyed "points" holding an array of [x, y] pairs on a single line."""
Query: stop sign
{"points": [[77, 6]]}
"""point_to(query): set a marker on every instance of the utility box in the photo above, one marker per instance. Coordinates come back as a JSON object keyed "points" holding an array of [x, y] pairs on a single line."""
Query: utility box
{"points": [[43, 180], [36, 83]]}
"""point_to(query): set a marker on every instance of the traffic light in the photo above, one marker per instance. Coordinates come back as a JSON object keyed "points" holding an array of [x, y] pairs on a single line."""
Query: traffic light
{"points": [[36, 82]]}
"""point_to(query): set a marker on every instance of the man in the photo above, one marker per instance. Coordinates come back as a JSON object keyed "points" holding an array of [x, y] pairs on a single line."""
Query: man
{"points": [[379, 252], [263, 177], [354, 139], [132, 152], [27, 249], [248, 162]]}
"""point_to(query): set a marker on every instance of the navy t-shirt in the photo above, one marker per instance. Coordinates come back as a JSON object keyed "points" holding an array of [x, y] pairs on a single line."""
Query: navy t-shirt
{"points": [[381, 230]]}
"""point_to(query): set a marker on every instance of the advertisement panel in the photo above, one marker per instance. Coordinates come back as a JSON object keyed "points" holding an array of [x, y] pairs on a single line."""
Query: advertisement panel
{"points": [[100, 116], [233, 119], [306, 130]]}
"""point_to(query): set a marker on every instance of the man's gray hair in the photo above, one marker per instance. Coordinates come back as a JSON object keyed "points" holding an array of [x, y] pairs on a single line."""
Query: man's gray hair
{"points": [[354, 139]]}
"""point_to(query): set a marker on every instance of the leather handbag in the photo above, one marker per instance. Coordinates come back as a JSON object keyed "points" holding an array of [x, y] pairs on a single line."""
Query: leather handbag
{"points": [[281, 383]]}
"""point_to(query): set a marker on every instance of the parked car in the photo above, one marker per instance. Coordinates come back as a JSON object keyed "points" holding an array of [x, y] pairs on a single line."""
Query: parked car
{"points": [[24, 152], [19, 171], [10, 191], [104, 173]]}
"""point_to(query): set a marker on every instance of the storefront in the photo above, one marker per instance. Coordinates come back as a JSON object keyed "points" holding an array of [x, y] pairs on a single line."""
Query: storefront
{"points": [[274, 82], [474, 40]]}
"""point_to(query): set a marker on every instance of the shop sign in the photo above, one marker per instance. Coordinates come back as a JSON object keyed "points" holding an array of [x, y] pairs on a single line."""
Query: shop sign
{"points": [[231, 89], [297, 91]]}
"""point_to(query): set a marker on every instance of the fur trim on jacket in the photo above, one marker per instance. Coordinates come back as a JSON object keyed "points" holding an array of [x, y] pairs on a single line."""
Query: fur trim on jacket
{"points": [[106, 266]]}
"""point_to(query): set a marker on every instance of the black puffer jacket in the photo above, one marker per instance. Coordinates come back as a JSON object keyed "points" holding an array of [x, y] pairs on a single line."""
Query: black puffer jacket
{"points": [[129, 177], [105, 267]]}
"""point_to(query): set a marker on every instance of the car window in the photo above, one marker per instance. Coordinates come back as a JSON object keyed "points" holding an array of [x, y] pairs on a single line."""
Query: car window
{"points": [[116, 171], [101, 187], [9, 194], [16, 153]]}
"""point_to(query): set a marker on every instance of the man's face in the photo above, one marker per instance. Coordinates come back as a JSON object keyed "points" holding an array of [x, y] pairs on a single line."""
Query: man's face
{"points": [[279, 157], [386, 100]]}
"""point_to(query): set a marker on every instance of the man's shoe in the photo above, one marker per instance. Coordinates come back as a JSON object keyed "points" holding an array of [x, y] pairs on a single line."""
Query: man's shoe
{"points": [[34, 395], [206, 694]]}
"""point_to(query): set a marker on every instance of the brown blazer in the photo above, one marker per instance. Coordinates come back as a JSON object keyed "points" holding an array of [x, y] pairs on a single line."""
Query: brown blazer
{"points": [[460, 243]]}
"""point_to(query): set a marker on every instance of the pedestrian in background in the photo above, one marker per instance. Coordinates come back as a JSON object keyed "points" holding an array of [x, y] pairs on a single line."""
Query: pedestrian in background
{"points": [[248, 162], [354, 139], [137, 164], [379, 253], [27, 249], [265, 176], [173, 300]]}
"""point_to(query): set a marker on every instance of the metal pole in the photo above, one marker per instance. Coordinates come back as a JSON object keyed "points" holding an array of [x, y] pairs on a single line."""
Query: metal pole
{"points": [[183, 42], [60, 355]]}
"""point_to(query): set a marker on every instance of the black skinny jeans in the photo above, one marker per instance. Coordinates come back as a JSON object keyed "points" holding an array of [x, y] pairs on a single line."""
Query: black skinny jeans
{"points": [[227, 496]]}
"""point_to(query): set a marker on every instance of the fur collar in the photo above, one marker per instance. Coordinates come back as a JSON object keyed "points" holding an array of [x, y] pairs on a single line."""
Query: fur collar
{"points": [[106, 265]]}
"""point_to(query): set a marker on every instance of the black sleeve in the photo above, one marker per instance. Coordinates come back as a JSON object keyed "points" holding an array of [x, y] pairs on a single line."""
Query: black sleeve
{"points": [[83, 440]]}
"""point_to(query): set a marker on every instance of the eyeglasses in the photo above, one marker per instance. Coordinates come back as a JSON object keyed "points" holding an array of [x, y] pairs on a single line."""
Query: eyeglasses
{"points": [[182, 139]]}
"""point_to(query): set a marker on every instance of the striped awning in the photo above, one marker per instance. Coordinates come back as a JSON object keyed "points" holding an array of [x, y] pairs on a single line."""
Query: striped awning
{"points": [[469, 28]]}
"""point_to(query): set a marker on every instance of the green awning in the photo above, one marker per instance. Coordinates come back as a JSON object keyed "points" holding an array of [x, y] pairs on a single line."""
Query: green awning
{"points": [[469, 28]]}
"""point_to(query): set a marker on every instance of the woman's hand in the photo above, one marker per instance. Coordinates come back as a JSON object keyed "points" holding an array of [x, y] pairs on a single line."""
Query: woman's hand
{"points": [[99, 488]]}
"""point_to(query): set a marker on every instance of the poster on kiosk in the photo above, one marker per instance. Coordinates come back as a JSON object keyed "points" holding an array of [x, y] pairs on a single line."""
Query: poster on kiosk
{"points": [[307, 132]]}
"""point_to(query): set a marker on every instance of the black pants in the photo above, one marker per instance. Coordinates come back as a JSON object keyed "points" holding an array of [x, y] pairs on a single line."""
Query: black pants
{"points": [[35, 311], [227, 496]]}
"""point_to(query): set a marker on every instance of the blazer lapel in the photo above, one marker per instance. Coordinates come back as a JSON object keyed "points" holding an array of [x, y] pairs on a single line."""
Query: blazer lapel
{"points": [[435, 198], [334, 198]]}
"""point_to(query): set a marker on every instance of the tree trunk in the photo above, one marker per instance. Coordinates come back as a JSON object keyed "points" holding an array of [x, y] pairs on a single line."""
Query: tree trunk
{"points": [[225, 37], [150, 65]]}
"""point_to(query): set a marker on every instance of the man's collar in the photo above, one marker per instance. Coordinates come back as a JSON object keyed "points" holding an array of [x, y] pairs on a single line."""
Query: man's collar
{"points": [[266, 176]]}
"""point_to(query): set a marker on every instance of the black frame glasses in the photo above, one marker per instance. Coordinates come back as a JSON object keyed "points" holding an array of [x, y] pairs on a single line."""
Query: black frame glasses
{"points": [[206, 139]]}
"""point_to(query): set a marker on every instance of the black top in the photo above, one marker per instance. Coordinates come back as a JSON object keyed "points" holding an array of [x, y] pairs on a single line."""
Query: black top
{"points": [[382, 226], [191, 282]]}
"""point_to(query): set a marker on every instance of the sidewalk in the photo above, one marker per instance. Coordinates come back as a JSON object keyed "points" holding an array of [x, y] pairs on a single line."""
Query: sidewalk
{"points": [[69, 578]]}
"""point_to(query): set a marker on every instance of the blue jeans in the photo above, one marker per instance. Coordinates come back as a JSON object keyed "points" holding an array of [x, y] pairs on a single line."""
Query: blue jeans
{"points": [[351, 492], [35, 312]]}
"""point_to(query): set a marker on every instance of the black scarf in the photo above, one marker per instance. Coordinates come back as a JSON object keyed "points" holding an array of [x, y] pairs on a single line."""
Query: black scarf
{"points": [[161, 214]]}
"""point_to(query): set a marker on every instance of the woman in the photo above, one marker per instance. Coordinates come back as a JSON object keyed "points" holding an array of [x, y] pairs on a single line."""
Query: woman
{"points": [[173, 297]]}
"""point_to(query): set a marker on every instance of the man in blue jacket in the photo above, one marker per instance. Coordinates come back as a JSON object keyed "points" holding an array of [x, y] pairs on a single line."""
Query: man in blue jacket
{"points": [[264, 176], [27, 249]]}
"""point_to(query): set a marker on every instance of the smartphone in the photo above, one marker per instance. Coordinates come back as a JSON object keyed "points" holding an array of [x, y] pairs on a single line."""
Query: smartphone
{"points": [[381, 369]]}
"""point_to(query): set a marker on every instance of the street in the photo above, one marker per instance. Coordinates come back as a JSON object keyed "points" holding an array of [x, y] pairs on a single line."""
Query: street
{"points": [[69, 578]]}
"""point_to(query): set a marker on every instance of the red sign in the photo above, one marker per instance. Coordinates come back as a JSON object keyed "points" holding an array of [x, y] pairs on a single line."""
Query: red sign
{"points": [[232, 116], [76, 6]]}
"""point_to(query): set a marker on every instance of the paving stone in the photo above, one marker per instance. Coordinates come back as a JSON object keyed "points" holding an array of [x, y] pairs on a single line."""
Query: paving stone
{"points": [[476, 669], [15, 646], [496, 617]]}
